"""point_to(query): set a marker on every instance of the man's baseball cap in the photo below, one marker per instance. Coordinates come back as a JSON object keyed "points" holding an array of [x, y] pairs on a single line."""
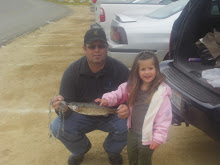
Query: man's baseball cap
{"points": [[94, 35]]}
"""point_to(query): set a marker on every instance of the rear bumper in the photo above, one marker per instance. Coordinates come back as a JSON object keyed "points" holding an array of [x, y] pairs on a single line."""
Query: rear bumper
{"points": [[190, 104], [127, 56], [95, 26]]}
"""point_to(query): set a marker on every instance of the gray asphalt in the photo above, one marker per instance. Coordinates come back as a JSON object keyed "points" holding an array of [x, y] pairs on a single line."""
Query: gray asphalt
{"points": [[18, 17]]}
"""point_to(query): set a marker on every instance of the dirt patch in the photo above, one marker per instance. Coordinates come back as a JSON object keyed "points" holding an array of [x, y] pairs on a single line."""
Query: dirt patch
{"points": [[30, 71]]}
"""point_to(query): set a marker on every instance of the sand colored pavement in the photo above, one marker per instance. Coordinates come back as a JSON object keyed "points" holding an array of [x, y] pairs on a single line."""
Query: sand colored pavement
{"points": [[31, 68]]}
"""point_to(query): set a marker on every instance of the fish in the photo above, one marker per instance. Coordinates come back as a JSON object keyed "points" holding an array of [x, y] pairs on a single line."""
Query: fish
{"points": [[91, 109]]}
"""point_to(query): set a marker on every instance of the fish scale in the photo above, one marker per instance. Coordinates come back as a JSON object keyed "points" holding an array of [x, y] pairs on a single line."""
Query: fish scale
{"points": [[91, 109]]}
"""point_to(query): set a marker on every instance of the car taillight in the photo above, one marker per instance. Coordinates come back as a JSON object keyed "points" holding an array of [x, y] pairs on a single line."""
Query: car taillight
{"points": [[118, 35], [94, 1], [102, 15]]}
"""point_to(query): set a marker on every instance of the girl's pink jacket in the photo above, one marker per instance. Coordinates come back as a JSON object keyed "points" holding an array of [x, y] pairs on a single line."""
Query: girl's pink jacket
{"points": [[159, 115]]}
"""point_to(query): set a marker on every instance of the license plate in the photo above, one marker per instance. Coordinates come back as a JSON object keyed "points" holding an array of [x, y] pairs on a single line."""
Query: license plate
{"points": [[176, 99]]}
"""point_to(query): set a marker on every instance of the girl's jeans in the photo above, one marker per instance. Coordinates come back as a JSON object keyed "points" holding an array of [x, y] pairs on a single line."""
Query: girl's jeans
{"points": [[77, 125], [138, 154]]}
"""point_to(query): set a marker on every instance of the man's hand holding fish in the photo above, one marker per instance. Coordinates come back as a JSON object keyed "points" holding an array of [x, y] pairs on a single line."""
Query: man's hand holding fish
{"points": [[57, 103]]}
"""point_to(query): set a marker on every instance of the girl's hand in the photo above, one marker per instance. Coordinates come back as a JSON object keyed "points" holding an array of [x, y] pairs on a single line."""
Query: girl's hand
{"points": [[103, 102], [154, 145], [123, 111]]}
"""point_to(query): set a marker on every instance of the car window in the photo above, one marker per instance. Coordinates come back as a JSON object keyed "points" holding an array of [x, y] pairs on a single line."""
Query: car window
{"points": [[215, 10], [153, 1], [115, 1], [168, 10]]}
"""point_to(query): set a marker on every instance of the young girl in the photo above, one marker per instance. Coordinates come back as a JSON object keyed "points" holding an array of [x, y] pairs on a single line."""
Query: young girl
{"points": [[148, 98]]}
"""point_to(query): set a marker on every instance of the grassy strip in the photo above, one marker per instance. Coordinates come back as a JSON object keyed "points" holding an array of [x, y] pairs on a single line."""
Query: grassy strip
{"points": [[76, 2]]}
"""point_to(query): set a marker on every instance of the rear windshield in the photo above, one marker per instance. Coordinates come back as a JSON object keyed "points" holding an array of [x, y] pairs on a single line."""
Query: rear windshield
{"points": [[159, 2], [168, 10]]}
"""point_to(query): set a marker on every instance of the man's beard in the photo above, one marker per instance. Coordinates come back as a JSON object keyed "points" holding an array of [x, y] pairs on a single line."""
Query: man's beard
{"points": [[98, 64]]}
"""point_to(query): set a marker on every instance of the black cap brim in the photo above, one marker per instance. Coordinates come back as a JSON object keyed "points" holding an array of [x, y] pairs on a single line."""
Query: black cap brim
{"points": [[96, 39]]}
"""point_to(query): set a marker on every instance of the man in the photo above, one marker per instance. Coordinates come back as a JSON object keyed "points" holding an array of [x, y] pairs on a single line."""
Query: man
{"points": [[83, 81]]}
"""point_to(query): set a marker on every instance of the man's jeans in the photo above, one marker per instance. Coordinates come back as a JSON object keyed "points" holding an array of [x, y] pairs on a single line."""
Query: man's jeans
{"points": [[77, 125]]}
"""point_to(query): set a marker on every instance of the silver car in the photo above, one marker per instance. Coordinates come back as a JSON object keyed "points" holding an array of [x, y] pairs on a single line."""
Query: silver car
{"points": [[105, 11], [130, 35], [94, 2]]}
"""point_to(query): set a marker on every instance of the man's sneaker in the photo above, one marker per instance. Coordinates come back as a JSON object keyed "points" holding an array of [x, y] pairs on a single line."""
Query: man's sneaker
{"points": [[76, 160], [115, 159]]}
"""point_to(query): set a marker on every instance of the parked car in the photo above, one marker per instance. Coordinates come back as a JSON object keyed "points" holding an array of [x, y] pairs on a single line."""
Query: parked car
{"points": [[94, 2], [194, 72], [131, 34], [105, 11]]}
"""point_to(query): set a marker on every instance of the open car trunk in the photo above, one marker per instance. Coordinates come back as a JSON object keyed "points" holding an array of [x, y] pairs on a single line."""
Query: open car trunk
{"points": [[191, 55], [195, 99]]}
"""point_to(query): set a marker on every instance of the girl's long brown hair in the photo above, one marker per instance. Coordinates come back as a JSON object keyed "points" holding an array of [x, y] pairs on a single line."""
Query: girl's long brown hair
{"points": [[134, 80]]}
